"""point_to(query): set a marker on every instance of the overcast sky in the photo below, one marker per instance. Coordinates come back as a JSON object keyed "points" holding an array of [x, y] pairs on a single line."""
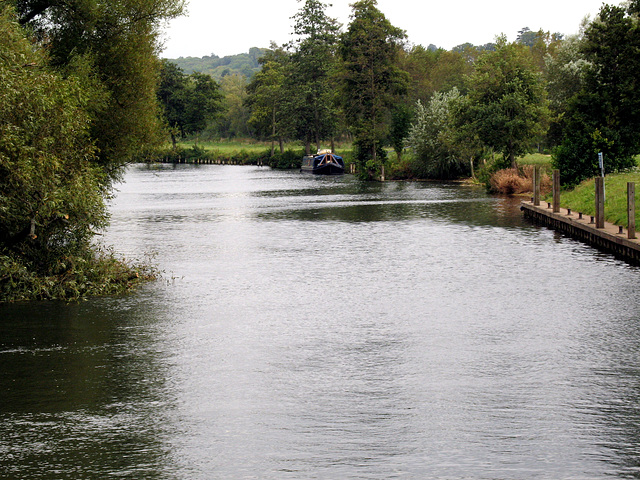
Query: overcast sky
{"points": [[233, 26]]}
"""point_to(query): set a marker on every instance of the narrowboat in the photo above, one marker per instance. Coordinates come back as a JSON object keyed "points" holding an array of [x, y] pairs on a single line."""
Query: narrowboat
{"points": [[324, 162]]}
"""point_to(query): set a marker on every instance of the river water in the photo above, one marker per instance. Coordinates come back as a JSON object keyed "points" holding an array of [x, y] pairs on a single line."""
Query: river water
{"points": [[324, 328]]}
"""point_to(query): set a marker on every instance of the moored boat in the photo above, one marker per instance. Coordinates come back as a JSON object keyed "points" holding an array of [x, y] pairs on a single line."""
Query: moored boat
{"points": [[325, 162]]}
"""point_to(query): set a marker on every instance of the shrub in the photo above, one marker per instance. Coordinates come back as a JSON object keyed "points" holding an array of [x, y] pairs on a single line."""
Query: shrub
{"points": [[73, 277], [289, 159], [489, 168]]}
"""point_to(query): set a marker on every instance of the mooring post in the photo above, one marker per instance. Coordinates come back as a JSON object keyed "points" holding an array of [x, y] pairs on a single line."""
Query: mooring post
{"points": [[631, 209], [536, 185], [556, 191], [599, 202]]}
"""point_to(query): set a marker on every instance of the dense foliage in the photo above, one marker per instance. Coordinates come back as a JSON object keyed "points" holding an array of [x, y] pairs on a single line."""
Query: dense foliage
{"points": [[118, 42], [434, 141], [604, 113], [189, 102], [51, 192], [506, 102], [267, 98], [76, 102], [309, 107], [369, 51]]}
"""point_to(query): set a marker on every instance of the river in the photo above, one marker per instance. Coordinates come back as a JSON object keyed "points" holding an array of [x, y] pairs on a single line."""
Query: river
{"points": [[324, 328]]}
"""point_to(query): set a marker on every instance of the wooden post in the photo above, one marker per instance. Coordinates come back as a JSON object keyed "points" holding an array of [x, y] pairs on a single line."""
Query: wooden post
{"points": [[536, 185], [631, 209], [599, 202], [556, 191], [382, 175]]}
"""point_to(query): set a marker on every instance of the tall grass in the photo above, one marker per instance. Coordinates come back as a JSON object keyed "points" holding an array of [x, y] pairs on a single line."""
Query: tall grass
{"points": [[510, 181]]}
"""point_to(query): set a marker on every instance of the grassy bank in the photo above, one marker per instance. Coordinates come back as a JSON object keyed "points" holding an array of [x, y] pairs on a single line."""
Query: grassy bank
{"points": [[230, 147], [582, 198], [239, 152]]}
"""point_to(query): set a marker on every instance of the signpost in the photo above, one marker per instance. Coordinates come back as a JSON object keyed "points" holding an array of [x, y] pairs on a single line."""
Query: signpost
{"points": [[601, 164]]}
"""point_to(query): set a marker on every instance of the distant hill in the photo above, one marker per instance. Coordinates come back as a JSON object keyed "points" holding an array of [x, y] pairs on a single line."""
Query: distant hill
{"points": [[243, 64]]}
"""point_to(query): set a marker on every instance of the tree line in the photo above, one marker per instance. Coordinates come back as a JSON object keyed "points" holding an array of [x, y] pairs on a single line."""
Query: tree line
{"points": [[573, 96], [244, 64]]}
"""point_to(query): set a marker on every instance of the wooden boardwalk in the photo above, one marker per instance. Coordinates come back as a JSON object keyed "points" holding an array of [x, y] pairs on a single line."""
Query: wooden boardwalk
{"points": [[611, 238]]}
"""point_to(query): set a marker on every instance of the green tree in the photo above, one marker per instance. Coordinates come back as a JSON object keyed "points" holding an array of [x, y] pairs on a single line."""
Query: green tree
{"points": [[234, 122], [506, 103], [527, 37], [433, 138], [120, 40], [604, 116], [266, 96], [371, 78], [399, 130], [565, 74], [310, 99], [433, 70], [204, 102], [189, 102], [172, 94], [51, 191]]}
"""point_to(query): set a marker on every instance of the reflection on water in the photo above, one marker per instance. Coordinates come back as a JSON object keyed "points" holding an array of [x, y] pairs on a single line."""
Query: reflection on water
{"points": [[315, 327], [83, 390]]}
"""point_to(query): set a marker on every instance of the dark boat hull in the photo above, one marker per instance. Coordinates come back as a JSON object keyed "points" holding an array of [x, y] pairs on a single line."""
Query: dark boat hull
{"points": [[328, 169]]}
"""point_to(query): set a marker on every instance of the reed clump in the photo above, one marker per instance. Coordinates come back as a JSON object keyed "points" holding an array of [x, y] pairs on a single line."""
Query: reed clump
{"points": [[518, 181]]}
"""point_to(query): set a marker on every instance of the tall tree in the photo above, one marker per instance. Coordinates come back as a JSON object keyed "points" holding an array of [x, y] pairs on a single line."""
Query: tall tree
{"points": [[506, 104], [312, 63], [204, 102], [189, 102], [120, 40], [369, 50], [266, 97], [172, 94], [605, 115]]}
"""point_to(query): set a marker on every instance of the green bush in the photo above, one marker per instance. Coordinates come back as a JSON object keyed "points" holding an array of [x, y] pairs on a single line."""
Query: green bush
{"points": [[290, 159]]}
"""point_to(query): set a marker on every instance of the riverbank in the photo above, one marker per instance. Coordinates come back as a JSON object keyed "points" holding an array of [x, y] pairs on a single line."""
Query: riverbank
{"points": [[582, 197], [612, 238]]}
